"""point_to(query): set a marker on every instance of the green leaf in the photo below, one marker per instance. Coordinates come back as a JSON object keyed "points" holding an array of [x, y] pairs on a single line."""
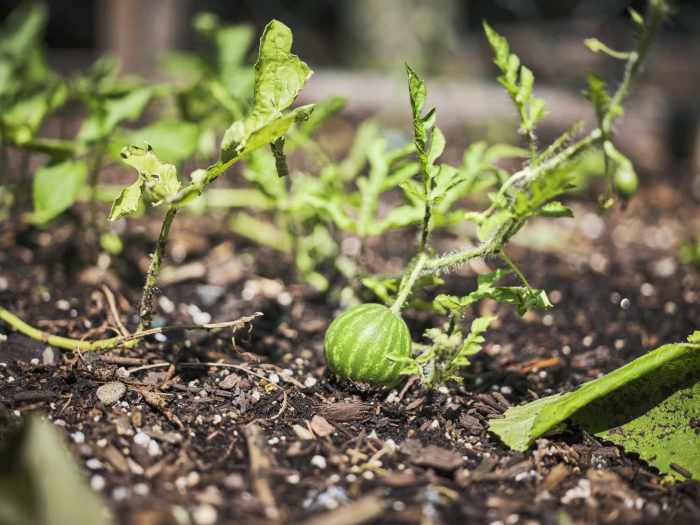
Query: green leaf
{"points": [[111, 243], [56, 187], [101, 124], [522, 297], [129, 201], [474, 341], [383, 288], [279, 76], [159, 179], [518, 80], [417, 92], [556, 209], [175, 140], [24, 118], [398, 217], [597, 94], [645, 406], [56, 149], [323, 111], [262, 232]]}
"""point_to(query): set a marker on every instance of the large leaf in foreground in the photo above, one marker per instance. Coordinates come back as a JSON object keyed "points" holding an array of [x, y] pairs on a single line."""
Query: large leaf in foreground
{"points": [[39, 480], [650, 407]]}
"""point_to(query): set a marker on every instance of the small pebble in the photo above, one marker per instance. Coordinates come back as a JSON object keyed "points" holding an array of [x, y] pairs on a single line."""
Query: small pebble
{"points": [[319, 461], [205, 514], [111, 392], [93, 464], [97, 482], [120, 494], [63, 305], [142, 439], [141, 489], [48, 357]]}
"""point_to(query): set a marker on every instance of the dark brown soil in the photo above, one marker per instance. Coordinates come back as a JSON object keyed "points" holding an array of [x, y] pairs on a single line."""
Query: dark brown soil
{"points": [[278, 439]]}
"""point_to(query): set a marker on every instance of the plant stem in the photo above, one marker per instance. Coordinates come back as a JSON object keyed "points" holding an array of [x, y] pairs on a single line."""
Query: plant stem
{"points": [[146, 305], [408, 281], [55, 340], [654, 16], [529, 173], [515, 269], [127, 341], [425, 231]]}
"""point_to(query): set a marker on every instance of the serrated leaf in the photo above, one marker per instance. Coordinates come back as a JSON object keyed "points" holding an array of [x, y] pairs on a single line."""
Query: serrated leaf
{"points": [[416, 90], [56, 187], [518, 80], [522, 297]]}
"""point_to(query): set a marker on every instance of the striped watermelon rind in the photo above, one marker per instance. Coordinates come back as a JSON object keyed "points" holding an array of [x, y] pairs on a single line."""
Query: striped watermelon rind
{"points": [[359, 341]]}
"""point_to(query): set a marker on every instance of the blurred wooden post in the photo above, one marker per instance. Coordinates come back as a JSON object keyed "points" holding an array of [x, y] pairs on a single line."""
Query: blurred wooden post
{"points": [[138, 31]]}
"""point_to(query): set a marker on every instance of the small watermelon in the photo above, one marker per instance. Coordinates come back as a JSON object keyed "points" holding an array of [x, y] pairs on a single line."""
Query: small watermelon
{"points": [[359, 341]]}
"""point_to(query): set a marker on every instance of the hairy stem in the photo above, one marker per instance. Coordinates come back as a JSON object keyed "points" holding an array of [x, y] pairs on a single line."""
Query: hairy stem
{"points": [[146, 306], [654, 17], [408, 281]]}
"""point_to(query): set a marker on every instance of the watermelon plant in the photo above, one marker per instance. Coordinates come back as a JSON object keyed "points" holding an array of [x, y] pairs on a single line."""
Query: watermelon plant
{"points": [[279, 76], [367, 344]]}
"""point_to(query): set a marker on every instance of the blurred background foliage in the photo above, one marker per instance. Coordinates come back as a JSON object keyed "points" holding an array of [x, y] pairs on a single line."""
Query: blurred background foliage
{"points": [[358, 49]]}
